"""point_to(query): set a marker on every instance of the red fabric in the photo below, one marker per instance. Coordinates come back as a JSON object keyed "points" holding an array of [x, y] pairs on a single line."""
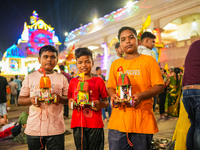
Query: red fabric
{"points": [[6, 132], [87, 117], [120, 69]]}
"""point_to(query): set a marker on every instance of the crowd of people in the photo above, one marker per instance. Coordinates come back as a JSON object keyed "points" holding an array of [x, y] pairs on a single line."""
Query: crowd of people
{"points": [[150, 85]]}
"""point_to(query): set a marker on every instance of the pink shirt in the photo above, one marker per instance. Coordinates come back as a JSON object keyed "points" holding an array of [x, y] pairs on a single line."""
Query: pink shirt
{"points": [[48, 118]]}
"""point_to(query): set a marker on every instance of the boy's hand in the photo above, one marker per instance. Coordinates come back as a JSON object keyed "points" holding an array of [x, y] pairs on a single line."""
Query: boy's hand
{"points": [[96, 105], [114, 97], [58, 101], [70, 101], [35, 102], [137, 98]]}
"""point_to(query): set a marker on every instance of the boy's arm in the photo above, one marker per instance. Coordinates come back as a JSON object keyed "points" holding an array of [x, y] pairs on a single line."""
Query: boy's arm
{"points": [[99, 104], [112, 93], [152, 92], [63, 99], [27, 100]]}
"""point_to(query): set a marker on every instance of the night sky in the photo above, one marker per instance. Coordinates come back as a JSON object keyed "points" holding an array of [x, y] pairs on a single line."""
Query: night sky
{"points": [[62, 15]]}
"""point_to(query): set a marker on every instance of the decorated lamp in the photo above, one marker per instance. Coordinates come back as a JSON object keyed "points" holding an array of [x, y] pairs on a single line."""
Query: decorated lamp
{"points": [[45, 88], [124, 87], [83, 92], [83, 95], [123, 91]]}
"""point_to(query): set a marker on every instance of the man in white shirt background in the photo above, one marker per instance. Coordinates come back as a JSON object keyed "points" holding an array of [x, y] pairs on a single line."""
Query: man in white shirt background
{"points": [[147, 44], [119, 54]]}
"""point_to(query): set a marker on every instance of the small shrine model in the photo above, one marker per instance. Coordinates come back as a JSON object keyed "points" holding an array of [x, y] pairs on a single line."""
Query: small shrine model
{"points": [[83, 95], [124, 87], [123, 92], [83, 92], [45, 89]]}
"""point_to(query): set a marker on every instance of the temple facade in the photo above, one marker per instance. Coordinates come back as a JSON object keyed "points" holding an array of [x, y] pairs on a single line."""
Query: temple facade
{"points": [[176, 24]]}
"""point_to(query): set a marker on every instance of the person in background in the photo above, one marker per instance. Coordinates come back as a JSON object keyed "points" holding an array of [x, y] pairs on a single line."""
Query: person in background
{"points": [[3, 100], [147, 44], [72, 75], [19, 83], [62, 71], [21, 137], [174, 84], [191, 94], [99, 74], [162, 96], [119, 54], [66, 107], [13, 87]]}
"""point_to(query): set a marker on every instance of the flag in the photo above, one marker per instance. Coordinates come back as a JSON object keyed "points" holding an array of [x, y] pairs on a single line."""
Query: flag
{"points": [[42, 69], [166, 67], [147, 22], [120, 69], [73, 47], [82, 75]]}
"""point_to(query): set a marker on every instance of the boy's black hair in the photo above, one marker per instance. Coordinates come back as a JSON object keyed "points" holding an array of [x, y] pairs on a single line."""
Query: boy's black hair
{"points": [[16, 76], [49, 48], [126, 28], [11, 79], [147, 35], [97, 68], [84, 51], [62, 67], [117, 45]]}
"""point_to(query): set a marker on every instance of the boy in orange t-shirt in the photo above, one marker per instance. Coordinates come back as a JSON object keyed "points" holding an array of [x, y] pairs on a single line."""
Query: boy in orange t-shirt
{"points": [[134, 128]]}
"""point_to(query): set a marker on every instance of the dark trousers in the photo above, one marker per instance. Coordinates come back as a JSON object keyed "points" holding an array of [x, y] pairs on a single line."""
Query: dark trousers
{"points": [[162, 97], [54, 142], [118, 140], [66, 110], [18, 91], [92, 139], [154, 103]]}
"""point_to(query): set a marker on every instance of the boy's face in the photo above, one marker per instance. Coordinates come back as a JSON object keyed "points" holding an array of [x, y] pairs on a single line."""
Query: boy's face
{"points": [[84, 64], [48, 60], [162, 71], [128, 42], [150, 43], [98, 72], [119, 51]]}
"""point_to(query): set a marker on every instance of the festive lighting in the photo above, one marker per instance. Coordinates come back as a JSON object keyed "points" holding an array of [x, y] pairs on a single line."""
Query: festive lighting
{"points": [[117, 15], [93, 47], [66, 34], [14, 52], [95, 20], [105, 56]]}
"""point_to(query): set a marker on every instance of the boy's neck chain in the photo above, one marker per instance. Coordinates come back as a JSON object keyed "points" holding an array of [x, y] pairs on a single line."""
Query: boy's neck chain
{"points": [[47, 72]]}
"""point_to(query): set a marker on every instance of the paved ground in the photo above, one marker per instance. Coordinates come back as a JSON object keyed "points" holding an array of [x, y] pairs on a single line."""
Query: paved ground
{"points": [[166, 129]]}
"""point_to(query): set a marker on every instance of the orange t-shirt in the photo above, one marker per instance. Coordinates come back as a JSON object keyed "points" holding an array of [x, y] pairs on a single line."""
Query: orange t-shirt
{"points": [[143, 73]]}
